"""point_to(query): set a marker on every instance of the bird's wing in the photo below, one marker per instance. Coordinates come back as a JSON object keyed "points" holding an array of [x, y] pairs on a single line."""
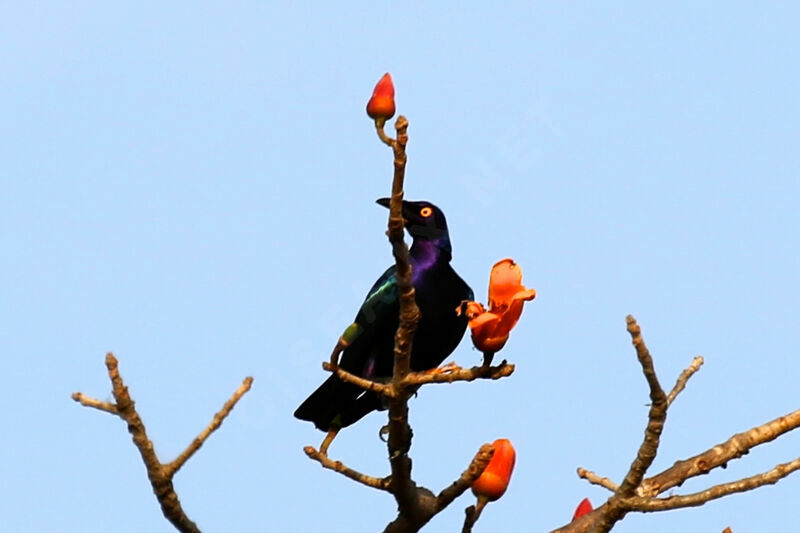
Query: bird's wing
{"points": [[381, 299], [376, 319]]}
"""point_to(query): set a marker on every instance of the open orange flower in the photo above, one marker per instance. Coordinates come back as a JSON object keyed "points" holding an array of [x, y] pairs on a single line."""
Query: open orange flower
{"points": [[490, 329], [381, 105]]}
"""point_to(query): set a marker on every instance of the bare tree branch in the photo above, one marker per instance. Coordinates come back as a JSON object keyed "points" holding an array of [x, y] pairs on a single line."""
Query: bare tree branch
{"points": [[502, 370], [384, 389], [160, 475], [431, 506], [656, 417], [215, 423], [95, 404], [413, 379], [615, 509], [399, 442], [717, 491], [471, 515], [594, 479], [643, 495], [719, 455], [338, 466], [473, 472], [680, 384]]}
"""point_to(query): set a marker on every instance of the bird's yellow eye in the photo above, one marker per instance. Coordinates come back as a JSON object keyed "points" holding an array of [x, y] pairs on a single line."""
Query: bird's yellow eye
{"points": [[426, 212]]}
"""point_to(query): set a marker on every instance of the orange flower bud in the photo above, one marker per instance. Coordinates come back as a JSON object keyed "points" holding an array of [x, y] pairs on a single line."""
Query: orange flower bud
{"points": [[585, 507], [493, 482], [381, 105]]}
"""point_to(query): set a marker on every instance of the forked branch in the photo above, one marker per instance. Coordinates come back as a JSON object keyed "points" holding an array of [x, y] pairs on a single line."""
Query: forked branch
{"points": [[637, 494], [160, 474]]}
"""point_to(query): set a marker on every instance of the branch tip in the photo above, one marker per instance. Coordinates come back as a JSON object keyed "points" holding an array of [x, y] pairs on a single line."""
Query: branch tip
{"points": [[160, 474]]}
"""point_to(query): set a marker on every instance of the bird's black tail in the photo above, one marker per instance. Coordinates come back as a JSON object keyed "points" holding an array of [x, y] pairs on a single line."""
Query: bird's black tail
{"points": [[336, 404], [325, 403]]}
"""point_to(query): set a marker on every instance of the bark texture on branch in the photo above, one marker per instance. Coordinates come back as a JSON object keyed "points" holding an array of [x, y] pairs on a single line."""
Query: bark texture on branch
{"points": [[160, 474], [639, 494]]}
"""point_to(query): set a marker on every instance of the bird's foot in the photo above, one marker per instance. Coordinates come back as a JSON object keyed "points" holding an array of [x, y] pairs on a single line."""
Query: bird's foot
{"points": [[383, 433], [445, 369]]}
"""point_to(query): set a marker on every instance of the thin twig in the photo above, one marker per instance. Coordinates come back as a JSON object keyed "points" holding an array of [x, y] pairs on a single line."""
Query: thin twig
{"points": [[594, 479], [502, 370], [382, 134], [471, 515], [95, 404], [337, 351], [384, 389], [215, 423], [680, 384], [338, 466]]}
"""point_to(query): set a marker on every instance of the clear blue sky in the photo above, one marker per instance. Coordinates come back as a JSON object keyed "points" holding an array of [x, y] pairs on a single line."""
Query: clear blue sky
{"points": [[192, 186]]}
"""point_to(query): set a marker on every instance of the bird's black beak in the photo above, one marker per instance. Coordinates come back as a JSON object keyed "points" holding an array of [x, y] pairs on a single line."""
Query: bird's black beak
{"points": [[385, 202]]}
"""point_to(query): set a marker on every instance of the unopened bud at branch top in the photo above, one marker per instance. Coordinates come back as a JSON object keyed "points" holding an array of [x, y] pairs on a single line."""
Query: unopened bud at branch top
{"points": [[493, 482], [381, 105]]}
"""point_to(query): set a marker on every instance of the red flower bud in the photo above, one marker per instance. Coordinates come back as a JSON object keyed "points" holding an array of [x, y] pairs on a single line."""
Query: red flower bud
{"points": [[585, 507], [381, 105], [493, 482]]}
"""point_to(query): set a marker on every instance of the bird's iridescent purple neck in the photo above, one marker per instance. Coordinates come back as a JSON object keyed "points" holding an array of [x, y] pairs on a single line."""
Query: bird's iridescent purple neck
{"points": [[427, 253]]}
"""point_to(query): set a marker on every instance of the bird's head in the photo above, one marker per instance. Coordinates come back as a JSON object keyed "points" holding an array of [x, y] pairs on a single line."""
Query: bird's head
{"points": [[423, 220]]}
